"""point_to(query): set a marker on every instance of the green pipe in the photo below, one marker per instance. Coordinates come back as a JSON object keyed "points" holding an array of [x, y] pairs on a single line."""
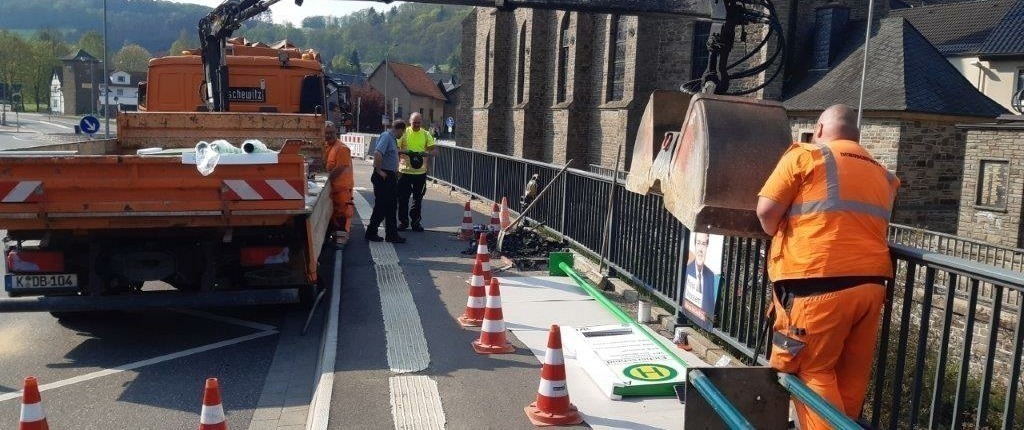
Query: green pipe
{"points": [[824, 409], [592, 290], [726, 411]]}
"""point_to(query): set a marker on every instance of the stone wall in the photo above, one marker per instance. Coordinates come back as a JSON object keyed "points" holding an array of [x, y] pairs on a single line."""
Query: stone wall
{"points": [[1000, 226]]}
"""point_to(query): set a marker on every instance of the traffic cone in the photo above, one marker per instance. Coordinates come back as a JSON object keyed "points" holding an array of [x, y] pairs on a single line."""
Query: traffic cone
{"points": [[466, 232], [212, 417], [503, 216], [483, 256], [552, 407], [474, 315], [495, 222], [32, 416], [493, 338]]}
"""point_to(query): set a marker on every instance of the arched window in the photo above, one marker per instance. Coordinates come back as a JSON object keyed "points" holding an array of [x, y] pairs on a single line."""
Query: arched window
{"points": [[521, 66], [487, 69], [617, 31], [563, 58]]}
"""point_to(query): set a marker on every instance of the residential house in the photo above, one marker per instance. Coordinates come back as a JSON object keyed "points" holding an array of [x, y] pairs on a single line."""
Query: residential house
{"points": [[983, 39], [124, 91], [56, 94], [407, 89]]}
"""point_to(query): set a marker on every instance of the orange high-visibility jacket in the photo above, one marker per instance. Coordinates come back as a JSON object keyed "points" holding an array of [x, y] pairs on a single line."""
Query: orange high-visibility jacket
{"points": [[840, 203]]}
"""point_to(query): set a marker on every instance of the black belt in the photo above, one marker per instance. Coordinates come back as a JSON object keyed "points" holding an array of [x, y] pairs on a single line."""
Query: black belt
{"points": [[816, 286]]}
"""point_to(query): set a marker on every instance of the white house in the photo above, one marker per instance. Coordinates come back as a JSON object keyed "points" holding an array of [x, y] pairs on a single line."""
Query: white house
{"points": [[56, 95], [124, 91]]}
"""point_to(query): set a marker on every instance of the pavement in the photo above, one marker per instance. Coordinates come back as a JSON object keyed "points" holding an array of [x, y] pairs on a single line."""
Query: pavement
{"points": [[456, 388], [26, 130]]}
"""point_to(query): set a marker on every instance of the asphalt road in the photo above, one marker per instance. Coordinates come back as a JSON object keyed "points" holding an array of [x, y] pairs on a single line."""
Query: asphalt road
{"points": [[146, 370], [27, 130]]}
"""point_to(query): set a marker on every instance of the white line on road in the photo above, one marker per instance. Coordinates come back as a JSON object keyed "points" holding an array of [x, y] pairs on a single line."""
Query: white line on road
{"points": [[143, 363], [320, 409], [55, 124], [415, 403], [229, 320]]}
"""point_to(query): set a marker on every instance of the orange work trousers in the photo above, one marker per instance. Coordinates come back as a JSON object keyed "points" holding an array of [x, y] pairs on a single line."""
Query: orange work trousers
{"points": [[344, 208], [828, 341]]}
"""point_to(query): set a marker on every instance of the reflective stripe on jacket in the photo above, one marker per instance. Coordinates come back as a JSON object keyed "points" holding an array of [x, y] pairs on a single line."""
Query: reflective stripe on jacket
{"points": [[837, 221]]}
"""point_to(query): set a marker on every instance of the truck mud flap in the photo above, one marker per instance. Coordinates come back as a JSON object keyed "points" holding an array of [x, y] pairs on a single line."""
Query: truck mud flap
{"points": [[150, 300]]}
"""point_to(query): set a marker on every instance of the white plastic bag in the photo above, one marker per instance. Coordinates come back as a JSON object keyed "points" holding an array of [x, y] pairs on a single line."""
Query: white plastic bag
{"points": [[206, 158]]}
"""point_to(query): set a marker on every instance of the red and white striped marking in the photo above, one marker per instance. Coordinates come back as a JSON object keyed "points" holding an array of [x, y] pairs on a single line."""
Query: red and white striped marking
{"points": [[264, 189], [21, 191]]}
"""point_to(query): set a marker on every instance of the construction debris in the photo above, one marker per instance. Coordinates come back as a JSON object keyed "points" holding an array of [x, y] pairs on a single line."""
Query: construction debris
{"points": [[526, 248]]}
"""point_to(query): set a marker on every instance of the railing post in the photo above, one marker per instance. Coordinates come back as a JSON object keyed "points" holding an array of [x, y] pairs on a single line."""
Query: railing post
{"points": [[565, 186], [613, 230], [472, 173], [494, 181]]}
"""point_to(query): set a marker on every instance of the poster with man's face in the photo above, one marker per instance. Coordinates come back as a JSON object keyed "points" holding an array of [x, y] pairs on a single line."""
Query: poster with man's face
{"points": [[701, 278]]}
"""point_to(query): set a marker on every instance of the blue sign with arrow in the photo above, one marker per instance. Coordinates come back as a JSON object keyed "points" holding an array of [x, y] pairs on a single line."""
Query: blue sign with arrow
{"points": [[89, 124]]}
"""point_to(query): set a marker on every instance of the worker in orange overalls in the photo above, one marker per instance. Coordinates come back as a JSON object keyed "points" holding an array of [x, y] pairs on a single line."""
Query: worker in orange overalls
{"points": [[827, 207], [339, 173]]}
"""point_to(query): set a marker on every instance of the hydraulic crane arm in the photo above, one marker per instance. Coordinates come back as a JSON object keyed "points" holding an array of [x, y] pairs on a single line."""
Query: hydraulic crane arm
{"points": [[214, 31]]}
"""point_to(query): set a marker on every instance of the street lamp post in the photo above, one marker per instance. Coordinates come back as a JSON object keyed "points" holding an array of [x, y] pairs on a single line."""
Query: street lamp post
{"points": [[387, 69], [106, 77]]}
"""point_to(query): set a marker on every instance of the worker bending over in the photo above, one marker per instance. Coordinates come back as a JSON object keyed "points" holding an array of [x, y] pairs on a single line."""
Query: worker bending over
{"points": [[827, 207], [340, 175]]}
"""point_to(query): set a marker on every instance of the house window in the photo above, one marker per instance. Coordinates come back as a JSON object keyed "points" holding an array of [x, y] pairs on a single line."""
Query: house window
{"points": [[487, 69], [120, 92], [993, 181], [1017, 98], [701, 31], [120, 79], [807, 137], [563, 58], [617, 61], [521, 66]]}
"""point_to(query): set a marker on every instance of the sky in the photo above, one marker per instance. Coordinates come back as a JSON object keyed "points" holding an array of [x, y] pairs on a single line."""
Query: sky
{"points": [[286, 10]]}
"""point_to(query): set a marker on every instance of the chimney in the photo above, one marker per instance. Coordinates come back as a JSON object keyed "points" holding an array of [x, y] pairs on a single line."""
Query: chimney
{"points": [[830, 22]]}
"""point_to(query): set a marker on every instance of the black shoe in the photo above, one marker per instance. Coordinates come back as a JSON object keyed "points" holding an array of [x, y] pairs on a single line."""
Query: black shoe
{"points": [[403, 226], [417, 227], [395, 239], [374, 238]]}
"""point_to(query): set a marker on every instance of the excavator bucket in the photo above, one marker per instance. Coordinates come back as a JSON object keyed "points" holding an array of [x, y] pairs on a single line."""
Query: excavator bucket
{"points": [[709, 170]]}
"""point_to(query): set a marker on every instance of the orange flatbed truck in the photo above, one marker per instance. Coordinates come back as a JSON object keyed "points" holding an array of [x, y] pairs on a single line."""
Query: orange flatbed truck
{"points": [[90, 223]]}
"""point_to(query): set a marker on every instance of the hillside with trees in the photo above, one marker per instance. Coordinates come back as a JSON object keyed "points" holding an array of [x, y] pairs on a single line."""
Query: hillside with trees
{"points": [[35, 34]]}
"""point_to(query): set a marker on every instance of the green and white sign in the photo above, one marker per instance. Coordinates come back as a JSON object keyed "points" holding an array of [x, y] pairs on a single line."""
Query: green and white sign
{"points": [[623, 362]]}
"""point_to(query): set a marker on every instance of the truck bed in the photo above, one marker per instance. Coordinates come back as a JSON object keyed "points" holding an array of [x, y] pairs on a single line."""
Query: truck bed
{"points": [[117, 189]]}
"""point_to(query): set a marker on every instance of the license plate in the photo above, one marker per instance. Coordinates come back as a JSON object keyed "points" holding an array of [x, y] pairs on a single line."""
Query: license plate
{"points": [[38, 282]]}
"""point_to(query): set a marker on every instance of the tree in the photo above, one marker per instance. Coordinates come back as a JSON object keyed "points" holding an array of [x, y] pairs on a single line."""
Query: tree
{"points": [[92, 42], [47, 48], [318, 22], [371, 107], [353, 59], [132, 58], [13, 68], [185, 41]]}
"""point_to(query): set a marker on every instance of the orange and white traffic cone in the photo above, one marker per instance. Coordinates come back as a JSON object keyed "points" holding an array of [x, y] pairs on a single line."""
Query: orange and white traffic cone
{"points": [[503, 216], [32, 416], [552, 407], [495, 222], [493, 337], [474, 315], [483, 256], [212, 416], [466, 231]]}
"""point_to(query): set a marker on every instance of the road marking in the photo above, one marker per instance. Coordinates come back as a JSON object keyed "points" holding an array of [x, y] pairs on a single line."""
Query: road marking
{"points": [[320, 408], [143, 363], [415, 400], [229, 320], [55, 124], [415, 403]]}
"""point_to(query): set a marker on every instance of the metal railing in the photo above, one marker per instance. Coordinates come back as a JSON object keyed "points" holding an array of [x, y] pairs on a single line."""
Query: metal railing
{"points": [[933, 342]]}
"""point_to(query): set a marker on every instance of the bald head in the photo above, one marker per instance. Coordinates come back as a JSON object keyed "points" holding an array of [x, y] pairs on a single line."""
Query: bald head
{"points": [[835, 123]]}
